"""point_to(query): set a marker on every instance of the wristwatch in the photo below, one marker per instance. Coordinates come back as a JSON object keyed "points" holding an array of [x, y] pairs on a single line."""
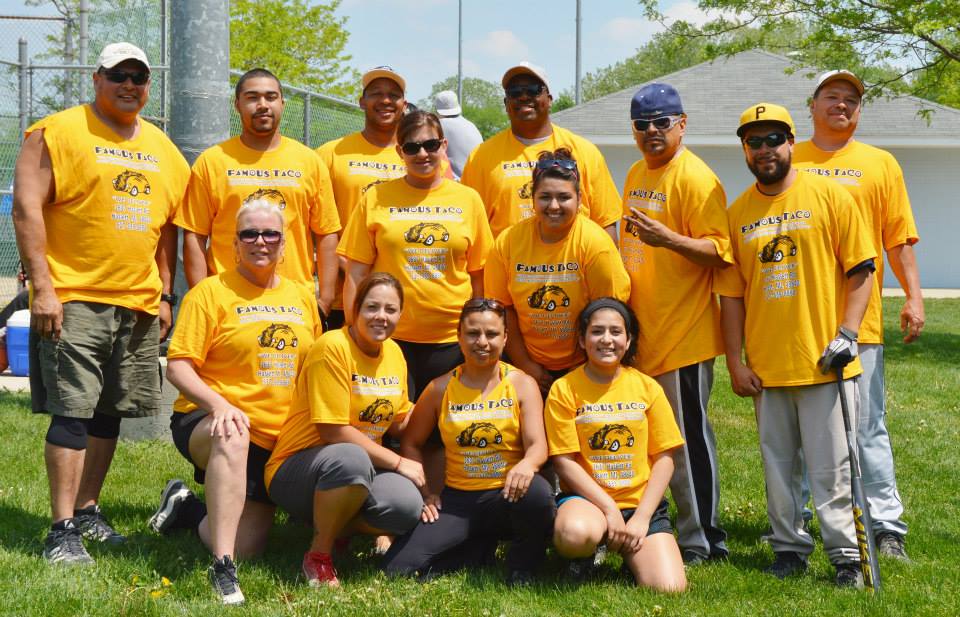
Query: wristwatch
{"points": [[170, 299]]}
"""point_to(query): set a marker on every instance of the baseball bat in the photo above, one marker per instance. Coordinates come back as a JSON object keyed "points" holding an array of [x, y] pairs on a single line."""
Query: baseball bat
{"points": [[861, 511]]}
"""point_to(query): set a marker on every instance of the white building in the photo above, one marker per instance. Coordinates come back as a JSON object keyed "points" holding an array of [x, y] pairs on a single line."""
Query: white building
{"points": [[715, 93]]}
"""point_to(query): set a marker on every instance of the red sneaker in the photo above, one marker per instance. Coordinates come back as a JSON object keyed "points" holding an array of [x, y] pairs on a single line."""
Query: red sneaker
{"points": [[319, 570]]}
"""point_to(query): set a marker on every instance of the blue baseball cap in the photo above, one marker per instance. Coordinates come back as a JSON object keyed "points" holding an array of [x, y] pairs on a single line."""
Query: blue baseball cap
{"points": [[655, 100]]}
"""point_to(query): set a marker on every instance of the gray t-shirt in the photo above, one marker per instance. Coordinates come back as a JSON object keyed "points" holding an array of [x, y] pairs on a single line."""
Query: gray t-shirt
{"points": [[462, 137]]}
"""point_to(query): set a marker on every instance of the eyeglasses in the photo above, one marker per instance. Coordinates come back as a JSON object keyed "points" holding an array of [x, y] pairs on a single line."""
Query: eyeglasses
{"points": [[413, 147], [474, 305], [663, 123], [515, 92], [773, 140], [568, 164], [118, 77], [249, 236]]}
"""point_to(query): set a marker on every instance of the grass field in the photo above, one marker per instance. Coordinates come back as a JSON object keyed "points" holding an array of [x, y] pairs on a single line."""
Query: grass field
{"points": [[923, 383]]}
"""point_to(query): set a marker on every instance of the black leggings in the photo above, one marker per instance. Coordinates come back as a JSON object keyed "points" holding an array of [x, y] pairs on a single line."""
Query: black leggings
{"points": [[468, 529]]}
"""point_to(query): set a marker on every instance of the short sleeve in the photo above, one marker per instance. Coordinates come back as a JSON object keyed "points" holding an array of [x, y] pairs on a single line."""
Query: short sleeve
{"points": [[196, 327], [852, 243], [706, 218], [324, 218], [496, 282], [357, 242], [328, 385], [558, 419], [898, 226], [605, 275], [482, 237], [198, 209], [663, 433], [605, 201]]}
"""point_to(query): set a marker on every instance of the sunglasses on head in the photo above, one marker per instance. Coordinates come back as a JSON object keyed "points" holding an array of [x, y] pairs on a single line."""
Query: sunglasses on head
{"points": [[249, 236], [483, 304], [515, 92], [118, 77], [413, 147], [663, 123], [773, 140], [568, 164]]}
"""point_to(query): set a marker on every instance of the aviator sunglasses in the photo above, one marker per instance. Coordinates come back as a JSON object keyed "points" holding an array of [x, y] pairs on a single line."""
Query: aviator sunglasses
{"points": [[773, 140], [515, 92], [118, 77], [663, 123], [413, 147], [249, 236], [569, 165]]}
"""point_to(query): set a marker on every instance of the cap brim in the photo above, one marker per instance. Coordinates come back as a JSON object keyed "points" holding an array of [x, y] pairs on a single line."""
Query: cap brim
{"points": [[112, 62], [850, 79], [369, 76], [744, 127], [522, 70], [452, 111]]}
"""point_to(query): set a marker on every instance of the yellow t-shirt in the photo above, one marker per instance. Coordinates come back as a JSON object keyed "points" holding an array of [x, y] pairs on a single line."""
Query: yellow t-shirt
{"points": [[248, 344], [501, 170], [678, 312], [792, 253], [342, 385], [113, 197], [481, 435], [549, 284], [430, 240], [874, 179], [613, 429], [355, 164], [225, 176]]}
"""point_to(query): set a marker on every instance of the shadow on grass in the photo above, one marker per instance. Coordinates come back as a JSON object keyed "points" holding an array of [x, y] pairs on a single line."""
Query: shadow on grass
{"points": [[931, 348], [22, 531]]}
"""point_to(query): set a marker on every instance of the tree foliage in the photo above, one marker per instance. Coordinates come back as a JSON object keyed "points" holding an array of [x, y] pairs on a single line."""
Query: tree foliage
{"points": [[482, 103], [302, 43], [903, 43]]}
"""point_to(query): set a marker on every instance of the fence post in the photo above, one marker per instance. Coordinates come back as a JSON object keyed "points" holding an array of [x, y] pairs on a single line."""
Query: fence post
{"points": [[24, 84], [306, 120]]}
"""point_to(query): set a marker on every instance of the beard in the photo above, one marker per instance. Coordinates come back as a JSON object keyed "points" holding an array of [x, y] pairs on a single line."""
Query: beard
{"points": [[780, 170]]}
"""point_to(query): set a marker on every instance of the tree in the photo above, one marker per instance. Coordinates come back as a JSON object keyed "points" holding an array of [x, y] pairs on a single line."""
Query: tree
{"points": [[482, 103], [302, 44], [901, 38]]}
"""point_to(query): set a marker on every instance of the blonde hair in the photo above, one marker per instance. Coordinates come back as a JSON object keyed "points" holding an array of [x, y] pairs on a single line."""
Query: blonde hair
{"points": [[261, 204]]}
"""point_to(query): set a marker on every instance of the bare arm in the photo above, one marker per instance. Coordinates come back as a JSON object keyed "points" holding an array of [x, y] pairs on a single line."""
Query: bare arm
{"points": [[639, 525], [182, 373], [194, 257], [700, 251], [33, 188], [903, 262], [858, 295], [167, 265], [579, 481], [355, 272], [327, 269], [742, 378], [476, 283], [611, 230], [520, 476]]}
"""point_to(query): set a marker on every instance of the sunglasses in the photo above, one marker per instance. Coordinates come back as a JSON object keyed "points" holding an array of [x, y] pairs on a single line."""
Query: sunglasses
{"points": [[773, 140], [118, 77], [249, 236], [567, 164], [663, 123], [515, 92], [483, 304], [413, 147]]}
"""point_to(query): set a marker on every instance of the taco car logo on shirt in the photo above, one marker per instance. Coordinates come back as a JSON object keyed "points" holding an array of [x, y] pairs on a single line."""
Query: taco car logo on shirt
{"points": [[132, 182], [525, 191], [427, 233], [479, 435], [380, 409], [778, 248], [272, 196], [611, 437], [278, 336], [548, 298]]}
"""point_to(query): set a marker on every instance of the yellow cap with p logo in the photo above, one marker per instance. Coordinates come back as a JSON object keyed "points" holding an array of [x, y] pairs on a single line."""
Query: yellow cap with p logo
{"points": [[766, 112]]}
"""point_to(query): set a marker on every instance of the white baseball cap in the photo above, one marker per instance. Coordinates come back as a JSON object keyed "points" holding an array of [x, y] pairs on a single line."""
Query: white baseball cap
{"points": [[525, 68], [446, 103], [383, 71], [115, 53], [841, 74]]}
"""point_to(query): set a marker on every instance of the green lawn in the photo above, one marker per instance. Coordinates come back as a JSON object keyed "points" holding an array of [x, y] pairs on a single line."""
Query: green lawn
{"points": [[924, 401]]}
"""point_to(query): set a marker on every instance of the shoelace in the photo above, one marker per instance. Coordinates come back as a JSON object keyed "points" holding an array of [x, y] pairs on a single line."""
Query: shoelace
{"points": [[226, 576], [72, 541]]}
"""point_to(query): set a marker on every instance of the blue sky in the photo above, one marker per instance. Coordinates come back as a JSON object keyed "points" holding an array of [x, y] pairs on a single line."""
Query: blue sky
{"points": [[419, 37]]}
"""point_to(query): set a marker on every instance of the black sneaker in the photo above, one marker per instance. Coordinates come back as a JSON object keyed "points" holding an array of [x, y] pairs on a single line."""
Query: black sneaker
{"points": [[890, 544], [693, 558], [93, 526], [849, 575], [65, 546], [787, 563], [172, 497], [223, 578], [520, 578]]}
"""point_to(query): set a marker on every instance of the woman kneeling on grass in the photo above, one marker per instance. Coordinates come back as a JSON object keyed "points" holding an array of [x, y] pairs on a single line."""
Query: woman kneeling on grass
{"points": [[240, 340], [490, 418], [329, 466], [611, 432]]}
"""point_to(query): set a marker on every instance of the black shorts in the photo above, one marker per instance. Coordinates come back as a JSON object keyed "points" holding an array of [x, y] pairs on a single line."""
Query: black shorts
{"points": [[182, 426], [659, 521]]}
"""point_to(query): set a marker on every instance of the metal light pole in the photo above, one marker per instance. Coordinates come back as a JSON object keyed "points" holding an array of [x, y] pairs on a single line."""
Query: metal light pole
{"points": [[576, 86], [460, 51]]}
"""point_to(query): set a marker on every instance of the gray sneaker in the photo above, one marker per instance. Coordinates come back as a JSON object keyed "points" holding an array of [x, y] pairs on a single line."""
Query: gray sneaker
{"points": [[173, 495], [93, 526], [786, 563], [849, 575], [65, 546], [890, 544], [223, 579]]}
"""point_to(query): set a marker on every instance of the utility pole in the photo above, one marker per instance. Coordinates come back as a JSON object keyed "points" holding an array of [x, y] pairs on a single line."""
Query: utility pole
{"points": [[576, 87], [460, 52]]}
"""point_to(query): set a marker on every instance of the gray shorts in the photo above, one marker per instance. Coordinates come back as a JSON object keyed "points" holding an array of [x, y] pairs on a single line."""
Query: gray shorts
{"points": [[105, 361], [393, 504]]}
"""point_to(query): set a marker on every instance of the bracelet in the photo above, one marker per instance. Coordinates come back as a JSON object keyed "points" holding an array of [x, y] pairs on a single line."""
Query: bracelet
{"points": [[399, 460], [850, 334]]}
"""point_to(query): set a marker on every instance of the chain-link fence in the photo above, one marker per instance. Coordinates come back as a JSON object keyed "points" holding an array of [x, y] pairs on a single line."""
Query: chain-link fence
{"points": [[41, 73]]}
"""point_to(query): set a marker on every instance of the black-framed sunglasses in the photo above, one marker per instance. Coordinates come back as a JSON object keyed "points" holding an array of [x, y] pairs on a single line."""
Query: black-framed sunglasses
{"points": [[413, 147], [568, 164], [772, 140], [663, 123], [118, 77], [270, 236], [515, 92]]}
